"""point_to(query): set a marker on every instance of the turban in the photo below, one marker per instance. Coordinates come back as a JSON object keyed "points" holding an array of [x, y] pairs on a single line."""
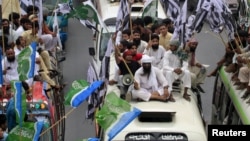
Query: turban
{"points": [[193, 40], [174, 43], [146, 59], [126, 53]]}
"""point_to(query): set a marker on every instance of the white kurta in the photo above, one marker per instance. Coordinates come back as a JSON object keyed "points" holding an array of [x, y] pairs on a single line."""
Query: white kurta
{"points": [[142, 46], [146, 86], [198, 75], [172, 62], [156, 55], [11, 73]]}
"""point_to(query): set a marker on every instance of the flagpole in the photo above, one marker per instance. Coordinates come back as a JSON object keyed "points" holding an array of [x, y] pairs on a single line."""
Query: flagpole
{"points": [[53, 11], [130, 19], [64, 117]]}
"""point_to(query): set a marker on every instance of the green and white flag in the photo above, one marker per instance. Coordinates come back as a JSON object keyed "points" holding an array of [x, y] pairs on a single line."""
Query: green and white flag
{"points": [[150, 9], [26, 62], [87, 11], [30, 131], [80, 91], [115, 115]]}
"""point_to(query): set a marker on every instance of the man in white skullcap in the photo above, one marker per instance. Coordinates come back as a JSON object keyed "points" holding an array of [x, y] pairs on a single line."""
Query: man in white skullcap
{"points": [[197, 70], [175, 66], [149, 83]]}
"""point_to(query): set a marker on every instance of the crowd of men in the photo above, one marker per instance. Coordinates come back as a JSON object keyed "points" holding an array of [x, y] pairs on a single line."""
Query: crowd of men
{"points": [[156, 61], [18, 32], [236, 62]]}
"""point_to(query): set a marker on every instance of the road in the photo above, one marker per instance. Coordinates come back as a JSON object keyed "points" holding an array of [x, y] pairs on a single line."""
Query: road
{"points": [[75, 68], [210, 50]]}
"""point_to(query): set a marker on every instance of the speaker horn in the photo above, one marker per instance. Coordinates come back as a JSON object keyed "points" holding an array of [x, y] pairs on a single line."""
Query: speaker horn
{"points": [[127, 80]]}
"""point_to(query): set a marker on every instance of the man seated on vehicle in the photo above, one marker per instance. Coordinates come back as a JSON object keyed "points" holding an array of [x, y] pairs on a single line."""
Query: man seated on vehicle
{"points": [[126, 66], [175, 66], [141, 45], [227, 59], [197, 70], [149, 83], [118, 52], [135, 55], [155, 51]]}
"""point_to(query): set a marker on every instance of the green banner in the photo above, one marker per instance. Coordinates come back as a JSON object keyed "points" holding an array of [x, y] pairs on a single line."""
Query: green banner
{"points": [[24, 133], [113, 106]]}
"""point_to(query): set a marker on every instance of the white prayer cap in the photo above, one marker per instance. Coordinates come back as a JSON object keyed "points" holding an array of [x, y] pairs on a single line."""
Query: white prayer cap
{"points": [[193, 40], [45, 11], [174, 42], [146, 59]]}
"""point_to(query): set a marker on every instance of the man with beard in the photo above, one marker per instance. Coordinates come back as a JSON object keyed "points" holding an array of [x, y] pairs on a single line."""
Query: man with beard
{"points": [[141, 45], [9, 66], [197, 70], [149, 83], [8, 32], [25, 24], [175, 66], [155, 51]]}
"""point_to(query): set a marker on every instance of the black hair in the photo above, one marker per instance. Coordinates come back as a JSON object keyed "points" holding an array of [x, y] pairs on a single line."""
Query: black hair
{"points": [[154, 27], [137, 31], [18, 42], [126, 31], [138, 21], [155, 36], [147, 20], [167, 21], [14, 15], [130, 44], [124, 43], [24, 20], [31, 8]]}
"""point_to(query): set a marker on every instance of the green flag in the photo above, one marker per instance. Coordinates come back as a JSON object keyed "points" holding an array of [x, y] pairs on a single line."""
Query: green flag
{"points": [[30, 131], [115, 114], [150, 9], [76, 90], [26, 62]]}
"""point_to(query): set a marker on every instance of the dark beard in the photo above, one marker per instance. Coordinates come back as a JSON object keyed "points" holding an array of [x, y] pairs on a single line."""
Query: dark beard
{"points": [[146, 70], [137, 41], [192, 49], [11, 59], [6, 30], [155, 47]]}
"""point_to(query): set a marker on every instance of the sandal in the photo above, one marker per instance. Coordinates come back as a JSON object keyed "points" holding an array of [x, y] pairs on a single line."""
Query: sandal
{"points": [[187, 97]]}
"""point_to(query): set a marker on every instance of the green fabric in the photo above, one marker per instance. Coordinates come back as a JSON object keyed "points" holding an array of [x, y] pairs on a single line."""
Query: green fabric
{"points": [[24, 133], [76, 87], [24, 63], [113, 106]]}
